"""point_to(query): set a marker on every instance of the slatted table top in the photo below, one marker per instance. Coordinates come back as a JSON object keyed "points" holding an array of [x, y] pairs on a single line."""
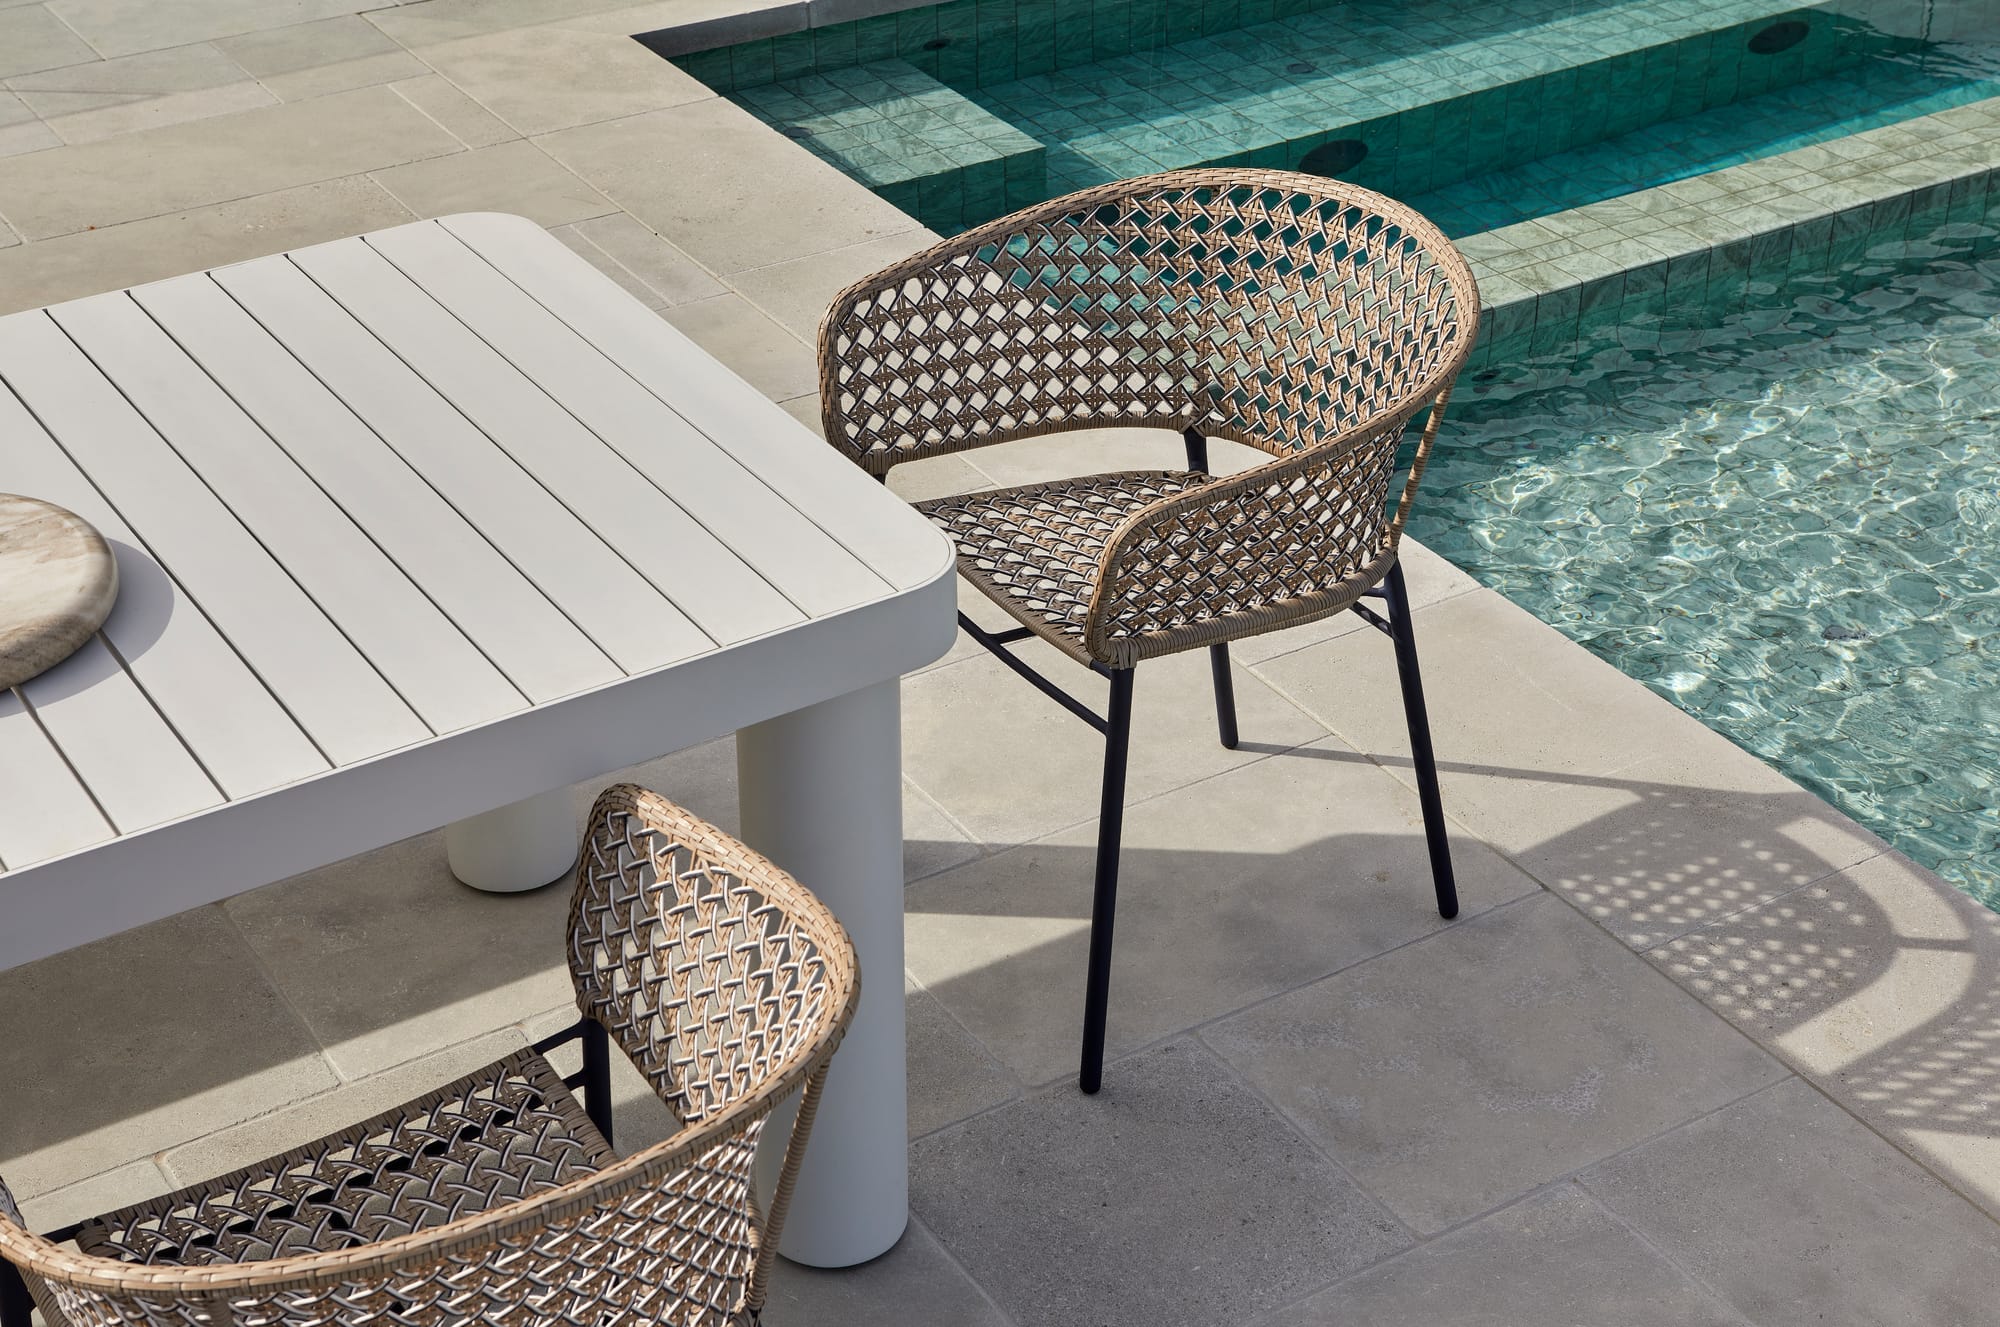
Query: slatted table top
{"points": [[375, 495]]}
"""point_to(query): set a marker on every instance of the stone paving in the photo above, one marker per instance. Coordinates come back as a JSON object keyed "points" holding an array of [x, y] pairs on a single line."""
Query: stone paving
{"points": [[1699, 1050]]}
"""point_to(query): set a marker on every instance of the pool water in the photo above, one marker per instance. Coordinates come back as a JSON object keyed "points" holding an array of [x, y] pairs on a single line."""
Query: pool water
{"points": [[1893, 85], [1789, 526], [1481, 114]]}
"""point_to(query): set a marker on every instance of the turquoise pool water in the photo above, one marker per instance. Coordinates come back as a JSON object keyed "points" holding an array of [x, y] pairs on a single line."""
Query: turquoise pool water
{"points": [[1789, 526], [1483, 114]]}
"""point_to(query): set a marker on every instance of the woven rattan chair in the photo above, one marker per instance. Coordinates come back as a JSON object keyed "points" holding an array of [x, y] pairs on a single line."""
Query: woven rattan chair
{"points": [[497, 1200], [1304, 317]]}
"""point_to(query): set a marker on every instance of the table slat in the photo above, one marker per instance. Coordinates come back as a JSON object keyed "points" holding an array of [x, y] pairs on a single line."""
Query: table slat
{"points": [[686, 563], [334, 693], [125, 753], [422, 654], [835, 494], [44, 811], [598, 590], [737, 507], [217, 704], [527, 638]]}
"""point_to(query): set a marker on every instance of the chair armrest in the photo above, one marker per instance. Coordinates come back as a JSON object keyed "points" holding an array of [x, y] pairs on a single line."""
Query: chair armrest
{"points": [[1285, 542]]}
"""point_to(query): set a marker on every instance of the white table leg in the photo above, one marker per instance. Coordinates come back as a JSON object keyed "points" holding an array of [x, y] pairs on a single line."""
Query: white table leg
{"points": [[523, 845], [821, 795]]}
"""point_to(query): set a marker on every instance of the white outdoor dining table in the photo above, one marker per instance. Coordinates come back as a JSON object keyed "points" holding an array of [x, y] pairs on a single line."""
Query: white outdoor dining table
{"points": [[413, 529]]}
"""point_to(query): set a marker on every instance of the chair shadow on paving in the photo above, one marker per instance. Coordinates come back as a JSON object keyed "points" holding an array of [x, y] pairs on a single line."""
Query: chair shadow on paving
{"points": [[142, 1042]]}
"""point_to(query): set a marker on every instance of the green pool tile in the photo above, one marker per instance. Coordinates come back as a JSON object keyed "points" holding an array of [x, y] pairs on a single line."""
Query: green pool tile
{"points": [[792, 55], [710, 67]]}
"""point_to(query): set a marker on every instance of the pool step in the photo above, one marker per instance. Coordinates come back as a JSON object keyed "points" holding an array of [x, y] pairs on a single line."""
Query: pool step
{"points": [[1868, 96], [914, 141], [1398, 101]]}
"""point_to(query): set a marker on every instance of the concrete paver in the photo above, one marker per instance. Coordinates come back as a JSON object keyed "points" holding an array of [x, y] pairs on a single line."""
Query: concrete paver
{"points": [[1175, 1197], [1461, 1072], [1800, 1217]]}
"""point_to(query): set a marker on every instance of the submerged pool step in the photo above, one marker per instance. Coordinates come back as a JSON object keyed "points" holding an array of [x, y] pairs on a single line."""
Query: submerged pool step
{"points": [[1403, 101], [915, 142], [1869, 96]]}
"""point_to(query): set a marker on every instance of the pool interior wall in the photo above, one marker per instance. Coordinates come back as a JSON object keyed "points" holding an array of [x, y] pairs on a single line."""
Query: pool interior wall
{"points": [[1480, 114]]}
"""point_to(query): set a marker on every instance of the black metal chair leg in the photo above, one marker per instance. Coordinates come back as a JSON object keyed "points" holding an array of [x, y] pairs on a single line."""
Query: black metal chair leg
{"points": [[1402, 631], [597, 1075], [1104, 902], [1225, 694], [15, 1303]]}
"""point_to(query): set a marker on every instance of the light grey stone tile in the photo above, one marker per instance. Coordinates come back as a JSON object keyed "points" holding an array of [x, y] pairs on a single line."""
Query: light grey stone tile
{"points": [[797, 293], [1797, 1215], [675, 27], [1230, 890], [28, 136], [387, 957], [7, 236], [121, 1186], [471, 123], [32, 38], [951, 1075], [934, 477], [123, 27], [156, 112], [543, 79], [303, 46], [127, 79], [1602, 789], [764, 354], [1458, 1073], [434, 21], [126, 1046], [89, 262], [229, 157], [1011, 765], [512, 177], [608, 265], [367, 71], [915, 1282], [670, 274], [1882, 985], [932, 840], [305, 1121], [718, 183], [1556, 1257], [14, 111], [1173, 1197]]}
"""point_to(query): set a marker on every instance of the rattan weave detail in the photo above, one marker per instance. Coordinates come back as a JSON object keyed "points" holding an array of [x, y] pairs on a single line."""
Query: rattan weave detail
{"points": [[727, 984], [510, 1130], [1302, 316]]}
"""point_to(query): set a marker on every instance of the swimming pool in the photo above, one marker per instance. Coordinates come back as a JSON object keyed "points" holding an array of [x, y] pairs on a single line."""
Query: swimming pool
{"points": [[1482, 114], [1789, 526]]}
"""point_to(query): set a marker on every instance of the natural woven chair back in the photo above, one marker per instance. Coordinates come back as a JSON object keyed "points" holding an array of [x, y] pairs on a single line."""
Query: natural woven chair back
{"points": [[1273, 308], [727, 984], [1302, 316]]}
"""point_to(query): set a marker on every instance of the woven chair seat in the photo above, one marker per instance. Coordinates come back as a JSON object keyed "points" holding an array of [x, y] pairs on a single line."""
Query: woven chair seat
{"points": [[494, 1137], [1038, 550]]}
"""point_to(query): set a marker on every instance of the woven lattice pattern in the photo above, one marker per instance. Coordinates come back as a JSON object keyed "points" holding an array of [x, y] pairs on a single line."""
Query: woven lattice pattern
{"points": [[1307, 318], [492, 1201], [685, 957], [498, 1135]]}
